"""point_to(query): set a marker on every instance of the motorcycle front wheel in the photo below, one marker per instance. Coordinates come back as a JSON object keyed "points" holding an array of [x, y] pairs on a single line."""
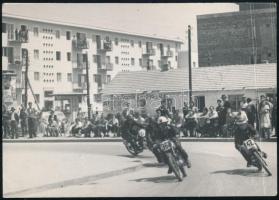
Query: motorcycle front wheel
{"points": [[174, 166], [261, 161], [131, 149]]}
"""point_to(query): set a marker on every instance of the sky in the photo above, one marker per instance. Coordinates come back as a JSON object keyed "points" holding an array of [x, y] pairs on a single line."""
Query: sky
{"points": [[162, 19]]}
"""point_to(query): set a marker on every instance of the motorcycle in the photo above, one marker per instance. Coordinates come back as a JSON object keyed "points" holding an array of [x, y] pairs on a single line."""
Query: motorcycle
{"points": [[173, 158], [136, 144], [256, 156]]}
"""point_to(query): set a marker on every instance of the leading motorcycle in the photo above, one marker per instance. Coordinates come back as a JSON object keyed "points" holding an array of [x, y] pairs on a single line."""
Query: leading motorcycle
{"points": [[255, 154], [173, 158]]}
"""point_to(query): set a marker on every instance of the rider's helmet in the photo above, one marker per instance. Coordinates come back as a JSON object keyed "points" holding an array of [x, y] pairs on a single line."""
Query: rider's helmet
{"points": [[162, 119]]}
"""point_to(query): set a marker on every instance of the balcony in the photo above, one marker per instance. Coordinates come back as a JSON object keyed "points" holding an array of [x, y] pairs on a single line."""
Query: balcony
{"points": [[105, 66], [167, 54], [149, 52], [21, 36], [104, 45], [79, 86], [79, 65], [165, 67], [80, 44]]}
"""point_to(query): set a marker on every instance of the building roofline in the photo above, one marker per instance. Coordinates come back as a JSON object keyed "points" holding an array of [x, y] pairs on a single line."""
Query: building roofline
{"points": [[228, 14], [7, 15]]}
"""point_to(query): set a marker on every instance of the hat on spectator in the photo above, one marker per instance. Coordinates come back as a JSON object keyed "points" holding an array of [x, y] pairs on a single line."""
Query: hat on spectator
{"points": [[223, 96]]}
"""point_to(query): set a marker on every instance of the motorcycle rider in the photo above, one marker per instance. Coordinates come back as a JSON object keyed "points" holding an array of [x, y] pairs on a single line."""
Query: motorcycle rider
{"points": [[129, 127], [167, 131], [243, 132]]}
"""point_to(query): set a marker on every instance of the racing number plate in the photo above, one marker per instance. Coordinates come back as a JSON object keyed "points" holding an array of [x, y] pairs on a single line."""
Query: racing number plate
{"points": [[250, 144], [165, 146]]}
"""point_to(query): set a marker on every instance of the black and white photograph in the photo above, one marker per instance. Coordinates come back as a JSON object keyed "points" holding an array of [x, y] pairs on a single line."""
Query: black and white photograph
{"points": [[139, 99]]}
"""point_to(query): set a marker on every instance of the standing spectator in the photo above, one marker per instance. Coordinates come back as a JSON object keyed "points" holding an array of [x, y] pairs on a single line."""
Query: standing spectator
{"points": [[191, 123], [263, 102], [243, 103], [251, 112], [163, 110], [185, 109], [265, 121], [226, 106], [14, 123], [86, 128], [31, 117], [221, 119], [274, 115], [79, 114], [193, 107], [23, 121], [213, 121], [5, 121]]}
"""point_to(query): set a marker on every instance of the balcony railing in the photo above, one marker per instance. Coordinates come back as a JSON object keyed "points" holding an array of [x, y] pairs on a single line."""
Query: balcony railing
{"points": [[167, 54], [105, 46], [105, 66], [79, 86], [21, 36], [149, 52], [165, 67], [81, 44], [79, 65]]}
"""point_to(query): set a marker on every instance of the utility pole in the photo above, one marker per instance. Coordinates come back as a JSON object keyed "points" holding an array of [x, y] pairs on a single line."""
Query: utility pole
{"points": [[190, 63], [25, 54], [88, 88]]}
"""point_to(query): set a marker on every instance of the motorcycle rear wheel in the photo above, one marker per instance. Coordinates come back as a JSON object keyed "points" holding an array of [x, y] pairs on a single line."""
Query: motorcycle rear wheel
{"points": [[174, 166], [262, 162]]}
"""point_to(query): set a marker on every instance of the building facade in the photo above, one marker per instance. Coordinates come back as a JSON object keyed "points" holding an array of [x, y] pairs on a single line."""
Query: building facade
{"points": [[208, 84], [245, 37], [58, 54]]}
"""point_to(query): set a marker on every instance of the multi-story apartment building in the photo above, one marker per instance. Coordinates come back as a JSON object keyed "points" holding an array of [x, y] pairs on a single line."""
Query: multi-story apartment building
{"points": [[58, 53]]}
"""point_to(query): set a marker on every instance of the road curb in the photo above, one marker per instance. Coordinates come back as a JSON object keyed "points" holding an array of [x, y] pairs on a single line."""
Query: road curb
{"points": [[76, 181], [60, 140]]}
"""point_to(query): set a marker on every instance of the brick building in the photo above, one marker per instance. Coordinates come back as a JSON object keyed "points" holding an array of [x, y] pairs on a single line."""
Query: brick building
{"points": [[244, 37]]}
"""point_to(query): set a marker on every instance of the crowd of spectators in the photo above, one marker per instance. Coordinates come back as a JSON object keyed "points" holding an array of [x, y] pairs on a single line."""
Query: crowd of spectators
{"points": [[212, 122]]}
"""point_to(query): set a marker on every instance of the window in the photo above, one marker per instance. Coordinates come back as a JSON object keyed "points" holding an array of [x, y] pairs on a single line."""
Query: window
{"points": [[235, 101], [36, 54], [140, 62], [48, 93], [200, 102], [58, 55], [194, 64], [59, 77], [57, 34], [139, 44], [176, 58], [84, 57], [269, 54], [36, 31], [68, 56], [69, 77], [37, 96], [132, 43], [95, 58], [4, 28], [132, 61], [108, 78], [68, 35], [36, 76], [116, 60], [116, 41]]}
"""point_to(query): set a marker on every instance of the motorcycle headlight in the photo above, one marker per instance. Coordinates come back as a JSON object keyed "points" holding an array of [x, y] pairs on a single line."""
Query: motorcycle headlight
{"points": [[141, 132]]}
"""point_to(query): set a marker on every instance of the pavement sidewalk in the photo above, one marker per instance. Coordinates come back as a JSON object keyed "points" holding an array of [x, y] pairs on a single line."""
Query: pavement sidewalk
{"points": [[38, 171], [113, 139]]}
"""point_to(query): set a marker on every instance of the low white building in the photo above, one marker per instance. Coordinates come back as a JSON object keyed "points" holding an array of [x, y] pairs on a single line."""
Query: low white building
{"points": [[144, 90]]}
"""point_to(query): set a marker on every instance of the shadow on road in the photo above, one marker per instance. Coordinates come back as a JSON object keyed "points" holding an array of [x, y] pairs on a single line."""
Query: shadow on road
{"points": [[154, 165], [242, 172], [131, 156], [159, 179]]}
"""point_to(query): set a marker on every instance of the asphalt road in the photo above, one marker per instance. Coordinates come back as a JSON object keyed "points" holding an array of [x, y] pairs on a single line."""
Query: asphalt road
{"points": [[217, 170]]}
